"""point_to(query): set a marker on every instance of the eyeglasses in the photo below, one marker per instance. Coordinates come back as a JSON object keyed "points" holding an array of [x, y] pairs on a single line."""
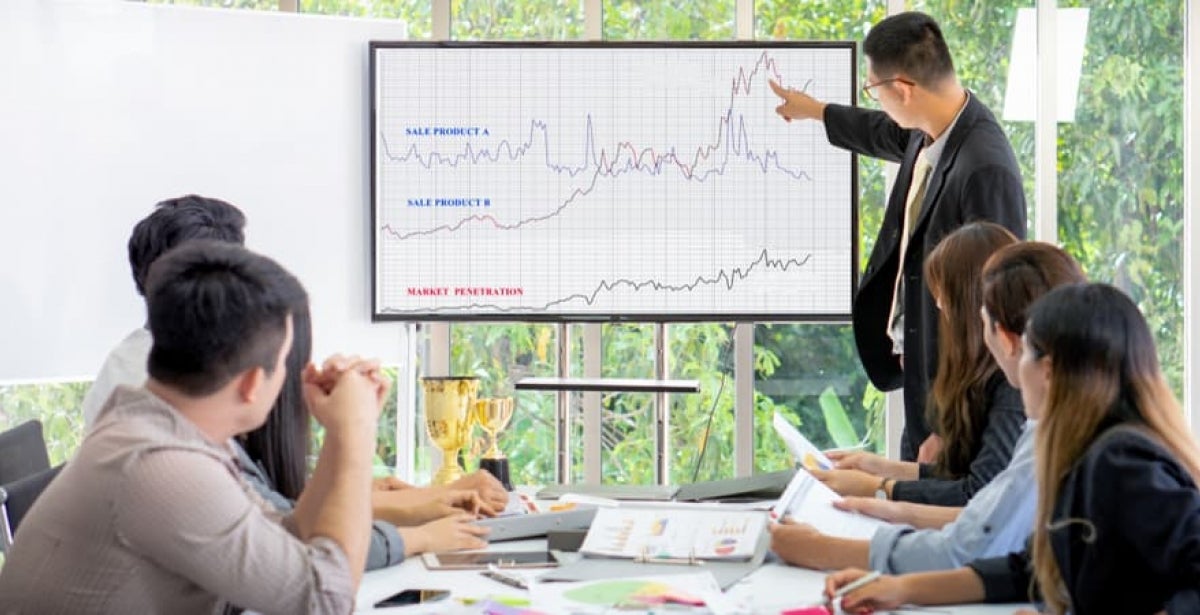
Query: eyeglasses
{"points": [[867, 88]]}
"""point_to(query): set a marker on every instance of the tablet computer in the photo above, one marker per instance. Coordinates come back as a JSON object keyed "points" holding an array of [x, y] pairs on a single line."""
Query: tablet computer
{"points": [[478, 560]]}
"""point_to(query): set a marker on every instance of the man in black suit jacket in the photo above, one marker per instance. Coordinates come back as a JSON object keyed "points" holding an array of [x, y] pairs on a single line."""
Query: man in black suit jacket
{"points": [[970, 174]]}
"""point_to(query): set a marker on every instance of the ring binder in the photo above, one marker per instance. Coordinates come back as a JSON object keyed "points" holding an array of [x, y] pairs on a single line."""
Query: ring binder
{"points": [[690, 560]]}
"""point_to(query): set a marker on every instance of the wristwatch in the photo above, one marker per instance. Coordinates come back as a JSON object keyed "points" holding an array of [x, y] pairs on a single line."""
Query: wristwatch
{"points": [[881, 492]]}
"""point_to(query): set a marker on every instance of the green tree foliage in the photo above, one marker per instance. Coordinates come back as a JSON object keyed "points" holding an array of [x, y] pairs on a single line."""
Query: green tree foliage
{"points": [[56, 405], [258, 5], [702, 20], [980, 34], [416, 14], [1120, 184], [530, 20], [499, 355]]}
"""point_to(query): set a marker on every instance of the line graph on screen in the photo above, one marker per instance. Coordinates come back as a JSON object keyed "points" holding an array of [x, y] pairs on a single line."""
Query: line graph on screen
{"points": [[584, 181]]}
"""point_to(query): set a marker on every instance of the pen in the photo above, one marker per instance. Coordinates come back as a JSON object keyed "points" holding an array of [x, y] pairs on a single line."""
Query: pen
{"points": [[870, 577], [495, 574]]}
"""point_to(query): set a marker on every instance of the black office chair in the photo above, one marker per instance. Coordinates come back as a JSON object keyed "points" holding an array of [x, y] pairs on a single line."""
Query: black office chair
{"points": [[22, 455], [16, 498], [22, 452]]}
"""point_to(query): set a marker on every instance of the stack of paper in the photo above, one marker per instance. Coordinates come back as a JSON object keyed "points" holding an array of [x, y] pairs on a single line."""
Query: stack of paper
{"points": [[810, 501]]}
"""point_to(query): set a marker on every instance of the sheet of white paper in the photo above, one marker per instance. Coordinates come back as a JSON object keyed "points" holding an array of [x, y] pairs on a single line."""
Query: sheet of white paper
{"points": [[805, 453], [810, 501]]}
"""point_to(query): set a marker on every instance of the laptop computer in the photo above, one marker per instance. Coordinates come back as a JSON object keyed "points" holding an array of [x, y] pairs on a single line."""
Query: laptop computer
{"points": [[654, 493], [756, 487]]}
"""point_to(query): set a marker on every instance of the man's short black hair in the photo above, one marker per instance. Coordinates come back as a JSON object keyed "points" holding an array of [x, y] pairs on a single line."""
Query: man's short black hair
{"points": [[910, 43], [215, 310], [175, 221]]}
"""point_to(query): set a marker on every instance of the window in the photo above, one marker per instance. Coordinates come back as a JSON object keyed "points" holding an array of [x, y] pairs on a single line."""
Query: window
{"points": [[416, 14], [499, 355], [1120, 163], [259, 5], [701, 423], [538, 20], [702, 20], [980, 34], [56, 404]]}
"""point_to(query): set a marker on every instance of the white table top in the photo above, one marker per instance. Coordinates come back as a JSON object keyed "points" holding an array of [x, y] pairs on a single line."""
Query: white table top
{"points": [[770, 589]]}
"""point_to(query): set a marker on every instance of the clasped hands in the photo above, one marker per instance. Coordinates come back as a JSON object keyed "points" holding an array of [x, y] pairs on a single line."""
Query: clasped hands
{"points": [[345, 390]]}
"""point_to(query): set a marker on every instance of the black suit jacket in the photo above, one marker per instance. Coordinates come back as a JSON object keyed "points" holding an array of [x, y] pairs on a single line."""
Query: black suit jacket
{"points": [[976, 178], [1135, 547]]}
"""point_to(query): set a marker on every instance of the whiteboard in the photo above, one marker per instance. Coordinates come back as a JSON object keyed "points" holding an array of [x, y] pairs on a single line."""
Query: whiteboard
{"points": [[614, 181], [108, 107]]}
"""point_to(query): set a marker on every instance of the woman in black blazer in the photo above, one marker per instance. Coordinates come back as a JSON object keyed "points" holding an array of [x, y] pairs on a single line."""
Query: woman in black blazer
{"points": [[1118, 522], [975, 411]]}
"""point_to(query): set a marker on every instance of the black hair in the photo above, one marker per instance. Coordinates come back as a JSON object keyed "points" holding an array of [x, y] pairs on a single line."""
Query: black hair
{"points": [[910, 43], [1093, 327], [216, 309], [175, 221], [281, 444]]}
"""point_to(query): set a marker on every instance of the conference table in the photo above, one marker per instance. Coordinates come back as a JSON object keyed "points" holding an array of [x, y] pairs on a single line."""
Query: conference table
{"points": [[771, 589]]}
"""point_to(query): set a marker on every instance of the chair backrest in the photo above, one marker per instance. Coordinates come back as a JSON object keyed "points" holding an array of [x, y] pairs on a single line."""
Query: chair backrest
{"points": [[16, 498], [22, 452]]}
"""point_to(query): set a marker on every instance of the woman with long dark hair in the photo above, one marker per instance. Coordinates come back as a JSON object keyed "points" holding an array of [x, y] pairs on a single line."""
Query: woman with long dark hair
{"points": [[274, 460], [999, 518], [1117, 528], [976, 413]]}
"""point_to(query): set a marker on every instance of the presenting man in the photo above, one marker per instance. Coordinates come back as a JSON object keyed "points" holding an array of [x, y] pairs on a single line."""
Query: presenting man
{"points": [[956, 166]]}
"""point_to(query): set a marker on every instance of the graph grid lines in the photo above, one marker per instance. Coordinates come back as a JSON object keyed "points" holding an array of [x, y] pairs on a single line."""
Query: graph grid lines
{"points": [[542, 182]]}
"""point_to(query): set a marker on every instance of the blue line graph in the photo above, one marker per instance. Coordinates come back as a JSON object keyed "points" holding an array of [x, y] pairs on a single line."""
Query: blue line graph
{"points": [[598, 162], [622, 191]]}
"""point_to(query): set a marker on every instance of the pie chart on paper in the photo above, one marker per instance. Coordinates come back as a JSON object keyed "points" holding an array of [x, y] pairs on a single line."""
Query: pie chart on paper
{"points": [[607, 593]]}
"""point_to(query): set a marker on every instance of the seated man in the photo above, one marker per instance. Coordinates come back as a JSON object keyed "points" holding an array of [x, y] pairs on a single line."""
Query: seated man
{"points": [[151, 516], [187, 218], [172, 222]]}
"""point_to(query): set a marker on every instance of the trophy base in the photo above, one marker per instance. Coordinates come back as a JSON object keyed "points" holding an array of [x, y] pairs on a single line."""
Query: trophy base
{"points": [[499, 469], [447, 474]]}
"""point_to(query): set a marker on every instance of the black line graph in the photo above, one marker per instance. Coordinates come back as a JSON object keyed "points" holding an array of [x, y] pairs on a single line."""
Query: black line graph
{"points": [[613, 181]]}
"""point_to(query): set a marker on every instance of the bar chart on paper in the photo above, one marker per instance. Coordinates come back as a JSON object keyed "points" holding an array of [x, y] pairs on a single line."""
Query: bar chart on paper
{"points": [[576, 181]]}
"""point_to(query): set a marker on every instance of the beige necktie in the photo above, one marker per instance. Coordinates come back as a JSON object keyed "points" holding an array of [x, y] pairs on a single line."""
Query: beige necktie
{"points": [[912, 210]]}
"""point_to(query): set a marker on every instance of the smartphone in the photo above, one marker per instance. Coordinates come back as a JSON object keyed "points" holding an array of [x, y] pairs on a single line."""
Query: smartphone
{"points": [[473, 560], [413, 596]]}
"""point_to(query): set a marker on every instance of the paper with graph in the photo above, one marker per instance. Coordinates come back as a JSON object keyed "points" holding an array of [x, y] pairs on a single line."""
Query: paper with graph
{"points": [[803, 451], [656, 533]]}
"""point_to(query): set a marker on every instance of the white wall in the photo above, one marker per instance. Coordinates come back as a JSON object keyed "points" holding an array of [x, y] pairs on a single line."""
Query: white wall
{"points": [[107, 107]]}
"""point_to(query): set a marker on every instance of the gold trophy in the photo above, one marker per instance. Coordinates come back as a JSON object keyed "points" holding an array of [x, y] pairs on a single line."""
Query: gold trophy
{"points": [[493, 415], [448, 403]]}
